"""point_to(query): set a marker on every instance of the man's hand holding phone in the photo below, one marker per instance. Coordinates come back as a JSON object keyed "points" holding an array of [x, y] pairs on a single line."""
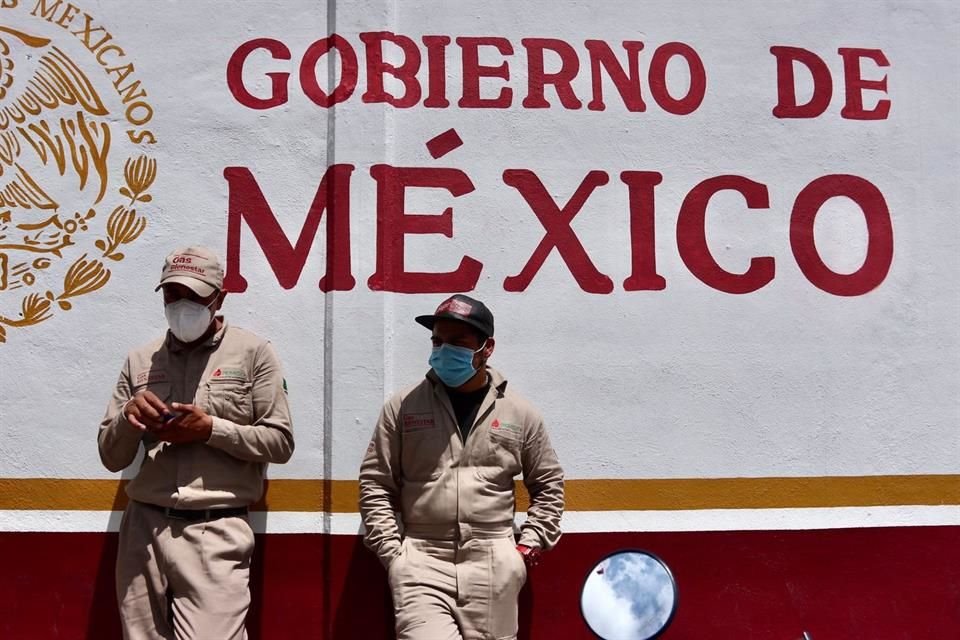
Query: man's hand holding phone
{"points": [[191, 424], [177, 423], [146, 412]]}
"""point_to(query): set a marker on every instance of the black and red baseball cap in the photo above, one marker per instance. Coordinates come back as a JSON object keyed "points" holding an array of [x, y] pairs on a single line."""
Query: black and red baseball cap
{"points": [[462, 308]]}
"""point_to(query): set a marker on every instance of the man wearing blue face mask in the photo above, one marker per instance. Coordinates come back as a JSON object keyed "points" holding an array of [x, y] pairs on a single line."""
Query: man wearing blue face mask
{"points": [[445, 454], [207, 404]]}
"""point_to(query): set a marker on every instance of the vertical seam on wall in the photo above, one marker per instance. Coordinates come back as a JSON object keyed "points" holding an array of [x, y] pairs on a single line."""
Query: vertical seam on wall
{"points": [[327, 500], [389, 299], [328, 296]]}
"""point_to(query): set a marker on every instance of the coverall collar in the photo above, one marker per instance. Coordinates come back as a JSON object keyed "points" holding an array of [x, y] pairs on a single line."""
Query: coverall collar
{"points": [[498, 385], [497, 381]]}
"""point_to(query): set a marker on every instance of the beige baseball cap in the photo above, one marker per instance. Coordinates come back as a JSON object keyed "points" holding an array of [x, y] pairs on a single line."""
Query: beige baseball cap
{"points": [[198, 268]]}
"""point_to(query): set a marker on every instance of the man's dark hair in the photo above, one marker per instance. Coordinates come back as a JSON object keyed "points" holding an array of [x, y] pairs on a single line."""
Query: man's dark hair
{"points": [[481, 336]]}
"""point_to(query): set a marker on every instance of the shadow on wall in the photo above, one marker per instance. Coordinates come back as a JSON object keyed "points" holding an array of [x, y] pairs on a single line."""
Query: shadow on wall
{"points": [[348, 594], [104, 621], [353, 600], [331, 585], [525, 605], [349, 598]]}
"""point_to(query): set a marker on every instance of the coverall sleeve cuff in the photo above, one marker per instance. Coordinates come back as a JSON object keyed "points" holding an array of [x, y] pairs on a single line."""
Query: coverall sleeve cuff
{"points": [[124, 429], [530, 539], [222, 434], [388, 556], [121, 433]]}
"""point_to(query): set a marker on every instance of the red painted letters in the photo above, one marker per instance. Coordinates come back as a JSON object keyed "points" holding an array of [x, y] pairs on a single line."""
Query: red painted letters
{"points": [[394, 223], [855, 84], [787, 106], [473, 71], [658, 79], [246, 203], [556, 222], [879, 232], [405, 73], [537, 78], [487, 86], [409, 73], [348, 71], [628, 84], [644, 276], [692, 238], [278, 79]]}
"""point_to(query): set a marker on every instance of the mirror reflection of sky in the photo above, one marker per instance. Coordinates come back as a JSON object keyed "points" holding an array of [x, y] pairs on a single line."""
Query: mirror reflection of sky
{"points": [[628, 596]]}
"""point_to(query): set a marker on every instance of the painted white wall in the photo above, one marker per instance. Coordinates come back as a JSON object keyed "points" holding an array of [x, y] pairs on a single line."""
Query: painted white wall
{"points": [[685, 382]]}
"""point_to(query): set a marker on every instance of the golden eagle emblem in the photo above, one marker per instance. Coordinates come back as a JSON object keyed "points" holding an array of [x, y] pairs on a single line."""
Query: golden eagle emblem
{"points": [[55, 177]]}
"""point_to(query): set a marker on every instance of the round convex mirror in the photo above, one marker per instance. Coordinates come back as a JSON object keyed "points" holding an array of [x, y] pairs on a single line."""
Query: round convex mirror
{"points": [[629, 595]]}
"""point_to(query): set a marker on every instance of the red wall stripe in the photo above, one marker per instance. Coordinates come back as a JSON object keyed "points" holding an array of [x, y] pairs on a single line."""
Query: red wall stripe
{"points": [[842, 584]]}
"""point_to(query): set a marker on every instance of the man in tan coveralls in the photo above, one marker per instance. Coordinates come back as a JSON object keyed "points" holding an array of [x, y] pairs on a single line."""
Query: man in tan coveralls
{"points": [[208, 403], [445, 454]]}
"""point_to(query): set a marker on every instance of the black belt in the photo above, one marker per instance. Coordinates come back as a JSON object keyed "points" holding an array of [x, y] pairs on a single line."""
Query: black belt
{"points": [[197, 515]]}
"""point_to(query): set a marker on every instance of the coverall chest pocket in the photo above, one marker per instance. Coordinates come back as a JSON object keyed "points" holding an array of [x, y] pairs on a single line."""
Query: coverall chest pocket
{"points": [[423, 451], [498, 455], [230, 399], [163, 390]]}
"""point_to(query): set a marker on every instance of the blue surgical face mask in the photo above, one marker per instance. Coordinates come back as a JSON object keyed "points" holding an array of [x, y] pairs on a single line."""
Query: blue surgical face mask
{"points": [[452, 364]]}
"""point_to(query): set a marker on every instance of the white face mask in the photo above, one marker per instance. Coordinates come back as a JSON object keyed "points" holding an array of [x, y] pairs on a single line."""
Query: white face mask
{"points": [[188, 320]]}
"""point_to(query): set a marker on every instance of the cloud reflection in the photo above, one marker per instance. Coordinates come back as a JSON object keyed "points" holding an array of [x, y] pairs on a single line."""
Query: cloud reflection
{"points": [[628, 596]]}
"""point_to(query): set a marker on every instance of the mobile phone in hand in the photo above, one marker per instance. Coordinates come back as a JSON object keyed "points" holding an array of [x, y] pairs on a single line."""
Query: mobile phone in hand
{"points": [[169, 416]]}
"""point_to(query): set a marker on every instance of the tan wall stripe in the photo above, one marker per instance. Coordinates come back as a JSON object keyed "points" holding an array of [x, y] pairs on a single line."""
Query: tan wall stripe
{"points": [[340, 496]]}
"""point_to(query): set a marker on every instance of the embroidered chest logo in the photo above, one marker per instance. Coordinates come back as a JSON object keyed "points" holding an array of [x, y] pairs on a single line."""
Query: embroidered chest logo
{"points": [[414, 422], [150, 376], [503, 429], [229, 373]]}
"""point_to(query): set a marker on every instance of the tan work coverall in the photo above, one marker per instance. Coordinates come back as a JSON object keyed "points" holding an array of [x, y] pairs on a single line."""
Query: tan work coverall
{"points": [[453, 570], [198, 571]]}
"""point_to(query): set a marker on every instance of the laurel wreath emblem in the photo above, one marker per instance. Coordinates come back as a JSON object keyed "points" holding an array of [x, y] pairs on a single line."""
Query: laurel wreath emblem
{"points": [[87, 275]]}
